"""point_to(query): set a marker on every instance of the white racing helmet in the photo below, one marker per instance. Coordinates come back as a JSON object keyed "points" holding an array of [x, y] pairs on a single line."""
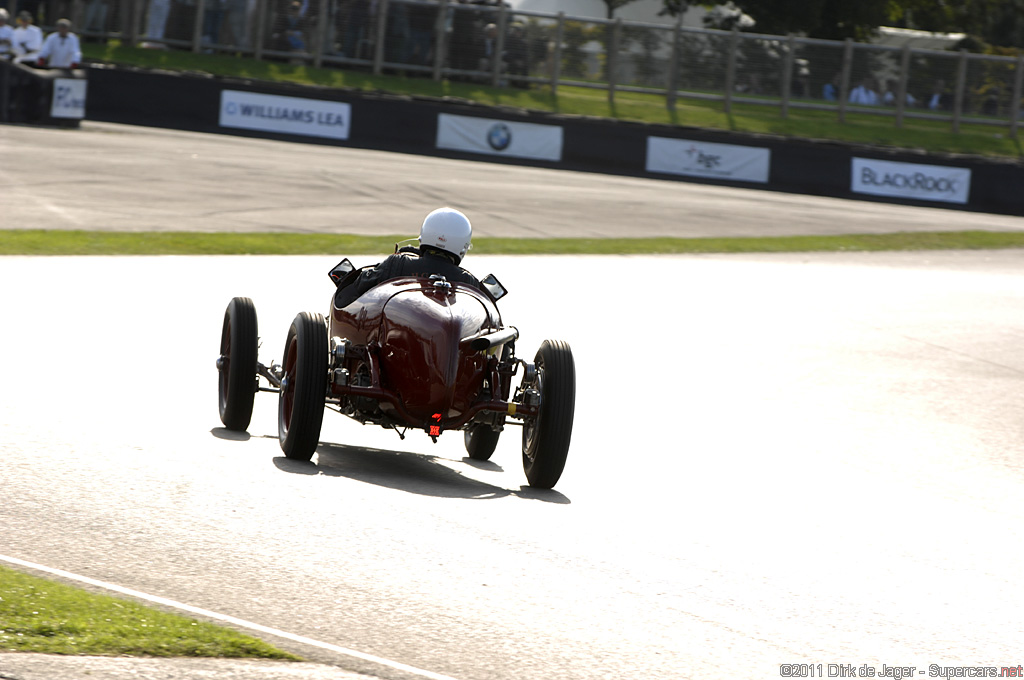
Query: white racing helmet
{"points": [[449, 230]]}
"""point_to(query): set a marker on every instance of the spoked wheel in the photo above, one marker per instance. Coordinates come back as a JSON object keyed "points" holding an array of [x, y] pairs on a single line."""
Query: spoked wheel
{"points": [[300, 411], [546, 436], [481, 441], [236, 366]]}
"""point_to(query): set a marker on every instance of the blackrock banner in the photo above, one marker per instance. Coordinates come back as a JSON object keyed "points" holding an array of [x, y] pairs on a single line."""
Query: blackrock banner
{"points": [[289, 115], [68, 98], [499, 137], [910, 180], [703, 159]]}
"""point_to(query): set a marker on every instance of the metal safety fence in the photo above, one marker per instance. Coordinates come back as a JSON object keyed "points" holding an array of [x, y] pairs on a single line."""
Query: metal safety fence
{"points": [[485, 41]]}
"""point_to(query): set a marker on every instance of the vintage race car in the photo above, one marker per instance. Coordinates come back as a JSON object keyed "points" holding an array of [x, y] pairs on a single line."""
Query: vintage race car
{"points": [[411, 353]]}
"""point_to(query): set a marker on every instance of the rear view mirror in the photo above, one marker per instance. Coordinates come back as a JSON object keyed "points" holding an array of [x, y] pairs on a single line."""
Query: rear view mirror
{"points": [[341, 270], [493, 286]]}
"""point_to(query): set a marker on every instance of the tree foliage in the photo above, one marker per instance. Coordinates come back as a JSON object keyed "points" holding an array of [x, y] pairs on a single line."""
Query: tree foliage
{"points": [[829, 19]]}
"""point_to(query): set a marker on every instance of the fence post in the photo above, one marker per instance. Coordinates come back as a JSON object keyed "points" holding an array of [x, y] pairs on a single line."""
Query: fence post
{"points": [[611, 58], [197, 27], [440, 44], [673, 65], [262, 9], [844, 79], [378, 47], [787, 74], [901, 89], [323, 21], [1018, 85], [730, 68], [556, 67], [958, 100], [499, 45]]}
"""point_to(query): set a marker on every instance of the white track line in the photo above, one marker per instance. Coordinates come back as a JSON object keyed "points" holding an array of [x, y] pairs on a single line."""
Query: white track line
{"points": [[228, 619]]}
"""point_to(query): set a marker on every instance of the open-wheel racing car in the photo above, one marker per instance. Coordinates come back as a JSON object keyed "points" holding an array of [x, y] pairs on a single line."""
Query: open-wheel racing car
{"points": [[410, 353]]}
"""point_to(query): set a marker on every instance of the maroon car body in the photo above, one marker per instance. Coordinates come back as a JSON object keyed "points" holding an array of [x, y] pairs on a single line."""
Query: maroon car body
{"points": [[410, 353]]}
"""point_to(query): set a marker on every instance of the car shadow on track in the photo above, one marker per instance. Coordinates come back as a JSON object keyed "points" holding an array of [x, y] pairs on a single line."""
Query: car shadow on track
{"points": [[409, 472]]}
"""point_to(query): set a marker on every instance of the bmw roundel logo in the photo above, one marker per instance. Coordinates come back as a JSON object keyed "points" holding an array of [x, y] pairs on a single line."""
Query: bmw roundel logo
{"points": [[499, 136]]}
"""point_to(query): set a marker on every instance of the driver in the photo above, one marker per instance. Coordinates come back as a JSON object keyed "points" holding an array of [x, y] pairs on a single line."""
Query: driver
{"points": [[444, 239]]}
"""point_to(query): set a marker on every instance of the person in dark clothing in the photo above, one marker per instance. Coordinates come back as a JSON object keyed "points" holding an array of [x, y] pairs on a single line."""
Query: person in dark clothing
{"points": [[445, 237]]}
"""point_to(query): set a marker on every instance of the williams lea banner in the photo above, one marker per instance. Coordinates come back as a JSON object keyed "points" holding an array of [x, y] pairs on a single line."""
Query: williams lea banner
{"points": [[703, 159], [499, 137], [288, 115], [910, 180]]}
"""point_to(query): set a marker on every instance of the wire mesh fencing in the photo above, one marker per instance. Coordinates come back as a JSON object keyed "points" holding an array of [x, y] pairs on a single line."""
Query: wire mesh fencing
{"points": [[487, 42]]}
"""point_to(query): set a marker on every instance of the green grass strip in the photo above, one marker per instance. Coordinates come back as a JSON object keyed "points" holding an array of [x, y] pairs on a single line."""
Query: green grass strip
{"points": [[43, 616], [48, 242]]}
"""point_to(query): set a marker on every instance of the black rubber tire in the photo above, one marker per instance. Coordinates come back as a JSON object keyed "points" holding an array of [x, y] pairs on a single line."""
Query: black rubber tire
{"points": [[236, 382], [480, 441], [546, 438], [300, 411]]}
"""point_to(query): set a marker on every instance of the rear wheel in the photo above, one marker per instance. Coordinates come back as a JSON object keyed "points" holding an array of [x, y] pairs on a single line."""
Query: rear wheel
{"points": [[481, 441], [236, 383], [546, 436], [300, 411]]}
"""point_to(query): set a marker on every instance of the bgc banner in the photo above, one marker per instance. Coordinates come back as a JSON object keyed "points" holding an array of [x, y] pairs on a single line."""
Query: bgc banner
{"points": [[703, 159], [289, 115], [910, 180], [68, 98], [499, 137]]}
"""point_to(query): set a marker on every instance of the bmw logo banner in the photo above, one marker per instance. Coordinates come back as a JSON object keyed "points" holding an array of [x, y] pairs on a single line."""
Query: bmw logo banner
{"points": [[499, 137]]}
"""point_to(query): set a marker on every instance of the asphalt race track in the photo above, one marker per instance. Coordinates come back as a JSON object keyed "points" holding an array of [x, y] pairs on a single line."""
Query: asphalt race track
{"points": [[777, 459]]}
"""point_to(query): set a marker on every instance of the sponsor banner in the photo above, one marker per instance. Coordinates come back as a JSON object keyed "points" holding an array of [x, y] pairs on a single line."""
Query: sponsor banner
{"points": [[68, 98], [703, 159], [499, 137], [289, 115], [910, 180]]}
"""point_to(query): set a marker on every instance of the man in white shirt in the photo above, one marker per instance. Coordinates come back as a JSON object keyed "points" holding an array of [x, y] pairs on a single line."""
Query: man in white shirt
{"points": [[28, 39], [61, 49], [864, 94], [6, 35]]}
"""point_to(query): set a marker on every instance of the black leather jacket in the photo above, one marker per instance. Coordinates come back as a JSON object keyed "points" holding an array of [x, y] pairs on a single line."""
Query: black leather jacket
{"points": [[406, 262]]}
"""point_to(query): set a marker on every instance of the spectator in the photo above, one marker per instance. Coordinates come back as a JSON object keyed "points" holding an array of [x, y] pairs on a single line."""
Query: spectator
{"points": [[213, 17], [830, 92], [864, 93], [6, 35], [892, 91], [96, 16], [422, 17], [236, 16], [295, 28], [156, 19], [463, 50], [355, 24], [516, 54], [488, 48], [28, 39], [940, 99], [61, 49]]}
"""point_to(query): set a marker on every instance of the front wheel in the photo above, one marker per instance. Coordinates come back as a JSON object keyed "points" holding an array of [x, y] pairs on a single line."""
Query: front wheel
{"points": [[546, 436], [300, 411], [481, 441], [236, 366]]}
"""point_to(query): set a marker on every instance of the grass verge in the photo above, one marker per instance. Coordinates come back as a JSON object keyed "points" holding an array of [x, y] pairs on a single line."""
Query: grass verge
{"points": [[46, 242], [43, 616], [874, 130]]}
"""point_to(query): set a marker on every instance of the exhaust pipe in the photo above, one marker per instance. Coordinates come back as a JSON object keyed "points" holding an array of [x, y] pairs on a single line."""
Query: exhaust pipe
{"points": [[484, 342]]}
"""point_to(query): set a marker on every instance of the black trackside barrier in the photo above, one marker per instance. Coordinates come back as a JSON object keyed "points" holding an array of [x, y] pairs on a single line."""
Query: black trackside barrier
{"points": [[410, 125], [45, 96]]}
